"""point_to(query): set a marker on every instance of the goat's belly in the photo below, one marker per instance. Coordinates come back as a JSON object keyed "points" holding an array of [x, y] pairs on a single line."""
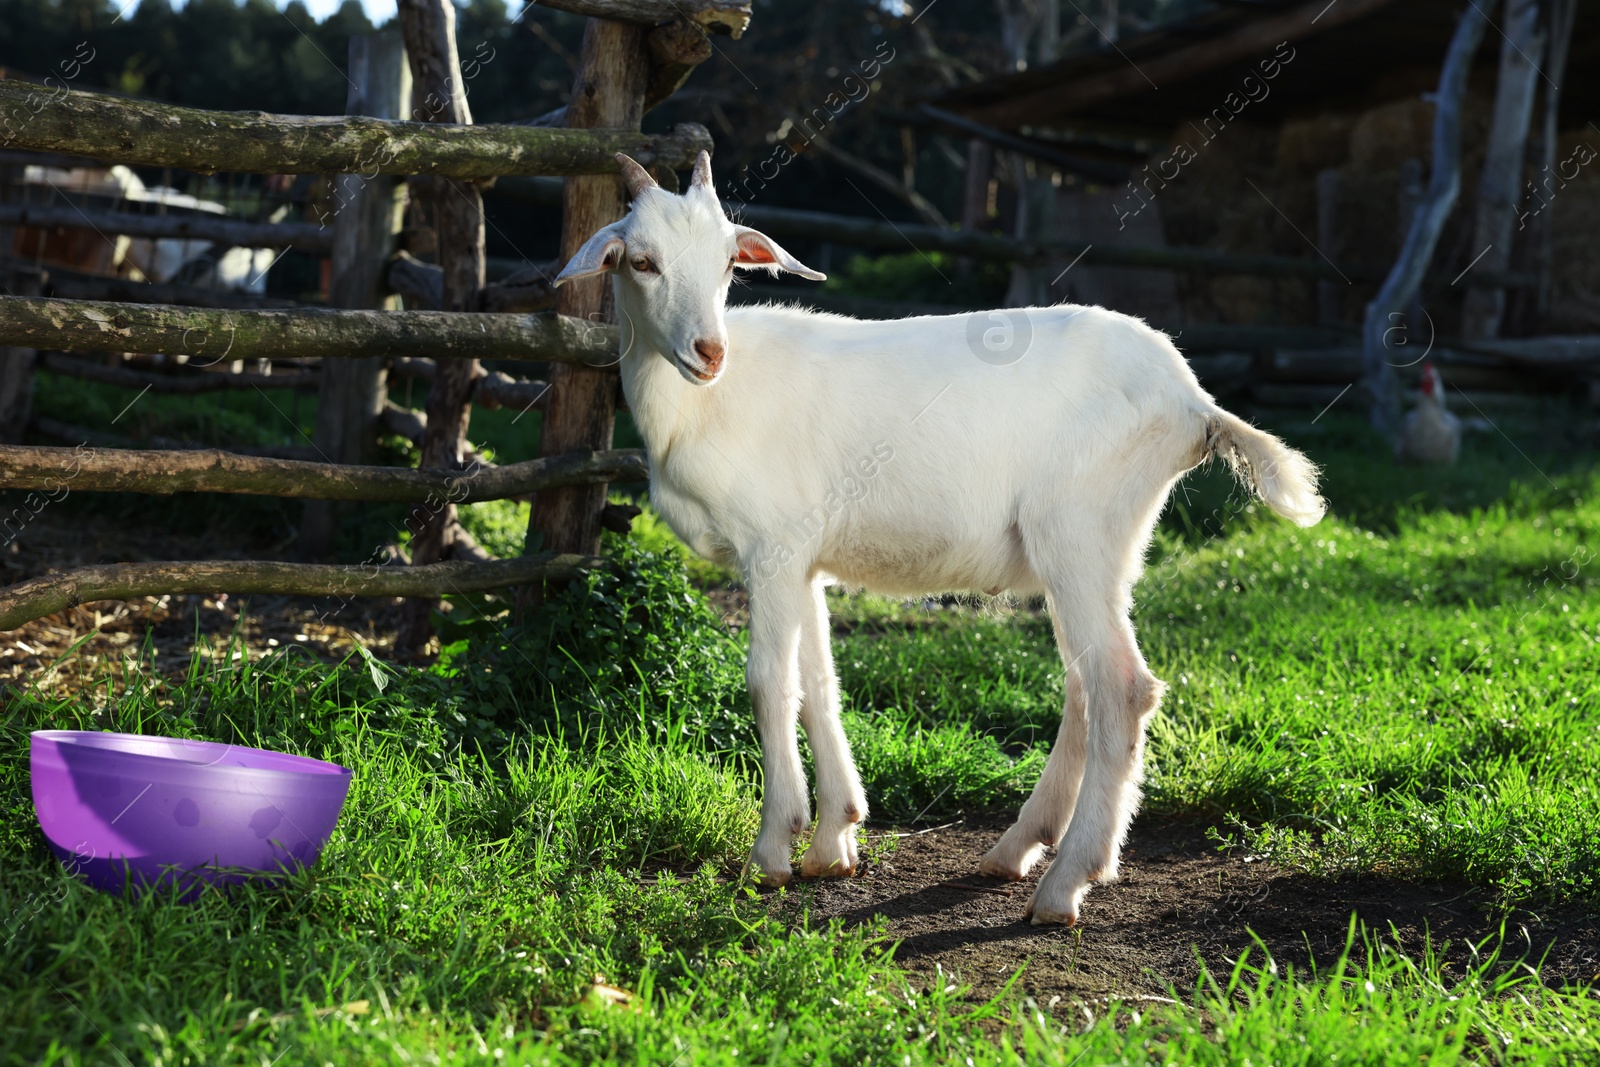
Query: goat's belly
{"points": [[908, 563]]}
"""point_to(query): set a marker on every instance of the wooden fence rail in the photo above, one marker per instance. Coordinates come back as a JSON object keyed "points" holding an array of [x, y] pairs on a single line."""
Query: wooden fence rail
{"points": [[209, 334], [219, 229], [39, 597], [145, 133], [188, 384], [162, 473]]}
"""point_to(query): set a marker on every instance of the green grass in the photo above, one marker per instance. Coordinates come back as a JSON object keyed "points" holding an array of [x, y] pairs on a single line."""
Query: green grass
{"points": [[1407, 688]]}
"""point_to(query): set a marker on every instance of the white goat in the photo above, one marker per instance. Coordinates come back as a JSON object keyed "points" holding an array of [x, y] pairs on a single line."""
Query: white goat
{"points": [[806, 448]]}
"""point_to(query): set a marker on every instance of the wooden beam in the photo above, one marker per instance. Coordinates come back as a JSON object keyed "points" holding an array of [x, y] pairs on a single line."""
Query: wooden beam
{"points": [[1095, 169], [38, 597], [199, 226], [208, 335], [142, 132], [725, 17], [162, 473], [1141, 74]]}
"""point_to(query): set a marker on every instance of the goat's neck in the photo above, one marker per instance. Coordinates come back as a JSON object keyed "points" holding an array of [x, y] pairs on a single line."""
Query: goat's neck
{"points": [[662, 404]]}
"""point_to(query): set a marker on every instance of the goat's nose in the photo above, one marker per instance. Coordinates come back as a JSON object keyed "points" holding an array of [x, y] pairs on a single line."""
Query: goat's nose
{"points": [[712, 352]]}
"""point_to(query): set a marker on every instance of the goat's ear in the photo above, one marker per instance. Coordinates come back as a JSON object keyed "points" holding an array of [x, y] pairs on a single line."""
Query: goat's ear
{"points": [[758, 250], [601, 253]]}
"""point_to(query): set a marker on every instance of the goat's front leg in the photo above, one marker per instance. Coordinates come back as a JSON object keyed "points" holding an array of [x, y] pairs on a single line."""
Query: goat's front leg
{"points": [[841, 803], [777, 612]]}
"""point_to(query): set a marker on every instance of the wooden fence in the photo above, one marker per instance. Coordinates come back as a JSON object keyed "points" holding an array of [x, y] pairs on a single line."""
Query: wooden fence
{"points": [[408, 118], [407, 123]]}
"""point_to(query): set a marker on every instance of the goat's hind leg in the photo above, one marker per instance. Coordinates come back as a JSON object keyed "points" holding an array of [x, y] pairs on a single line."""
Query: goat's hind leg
{"points": [[1048, 810], [1120, 693], [841, 803], [777, 614]]}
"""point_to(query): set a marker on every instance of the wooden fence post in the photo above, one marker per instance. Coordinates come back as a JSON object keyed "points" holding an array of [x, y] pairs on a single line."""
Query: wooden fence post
{"points": [[352, 391], [16, 364], [439, 95], [609, 91]]}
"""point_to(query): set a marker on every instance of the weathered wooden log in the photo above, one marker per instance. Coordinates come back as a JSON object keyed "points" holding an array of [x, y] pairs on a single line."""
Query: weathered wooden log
{"points": [[38, 597], [80, 285], [211, 470], [439, 95], [199, 226], [186, 385], [164, 135], [1444, 185], [725, 17], [208, 336]]}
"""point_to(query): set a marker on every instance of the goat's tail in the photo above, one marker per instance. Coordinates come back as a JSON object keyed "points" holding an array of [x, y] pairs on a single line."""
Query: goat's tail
{"points": [[1272, 470]]}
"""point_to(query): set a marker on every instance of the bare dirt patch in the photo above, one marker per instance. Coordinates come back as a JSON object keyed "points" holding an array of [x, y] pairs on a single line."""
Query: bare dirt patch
{"points": [[1179, 901]]}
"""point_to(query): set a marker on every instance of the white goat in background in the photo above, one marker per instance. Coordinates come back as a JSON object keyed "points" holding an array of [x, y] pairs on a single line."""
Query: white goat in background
{"points": [[806, 448]]}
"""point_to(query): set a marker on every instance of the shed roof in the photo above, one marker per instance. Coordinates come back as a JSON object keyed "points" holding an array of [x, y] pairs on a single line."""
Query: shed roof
{"points": [[1354, 53]]}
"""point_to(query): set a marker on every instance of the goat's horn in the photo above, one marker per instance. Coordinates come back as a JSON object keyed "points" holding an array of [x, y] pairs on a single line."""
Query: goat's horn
{"points": [[635, 177], [702, 170]]}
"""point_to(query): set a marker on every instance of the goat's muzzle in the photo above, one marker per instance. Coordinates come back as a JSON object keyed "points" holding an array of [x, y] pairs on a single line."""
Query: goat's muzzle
{"points": [[711, 354]]}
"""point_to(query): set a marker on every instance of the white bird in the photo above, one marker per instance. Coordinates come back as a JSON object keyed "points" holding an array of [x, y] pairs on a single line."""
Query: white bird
{"points": [[1431, 434]]}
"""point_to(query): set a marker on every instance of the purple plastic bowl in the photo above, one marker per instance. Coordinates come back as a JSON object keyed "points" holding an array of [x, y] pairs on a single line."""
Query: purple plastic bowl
{"points": [[172, 812]]}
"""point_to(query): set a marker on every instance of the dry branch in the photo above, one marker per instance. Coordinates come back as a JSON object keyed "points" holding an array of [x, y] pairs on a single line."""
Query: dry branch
{"points": [[199, 226], [162, 473], [145, 133], [412, 425], [202, 382], [208, 335], [493, 389], [712, 16], [39, 597], [422, 284]]}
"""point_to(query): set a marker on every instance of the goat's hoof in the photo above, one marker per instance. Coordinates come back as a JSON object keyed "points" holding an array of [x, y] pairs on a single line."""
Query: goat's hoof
{"points": [[830, 869], [771, 879], [1000, 866], [1048, 915]]}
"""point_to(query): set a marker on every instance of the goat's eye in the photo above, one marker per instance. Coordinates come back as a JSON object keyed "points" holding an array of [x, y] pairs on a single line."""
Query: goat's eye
{"points": [[643, 265]]}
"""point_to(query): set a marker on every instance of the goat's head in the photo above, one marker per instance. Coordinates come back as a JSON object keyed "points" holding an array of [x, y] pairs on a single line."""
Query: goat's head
{"points": [[673, 258]]}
